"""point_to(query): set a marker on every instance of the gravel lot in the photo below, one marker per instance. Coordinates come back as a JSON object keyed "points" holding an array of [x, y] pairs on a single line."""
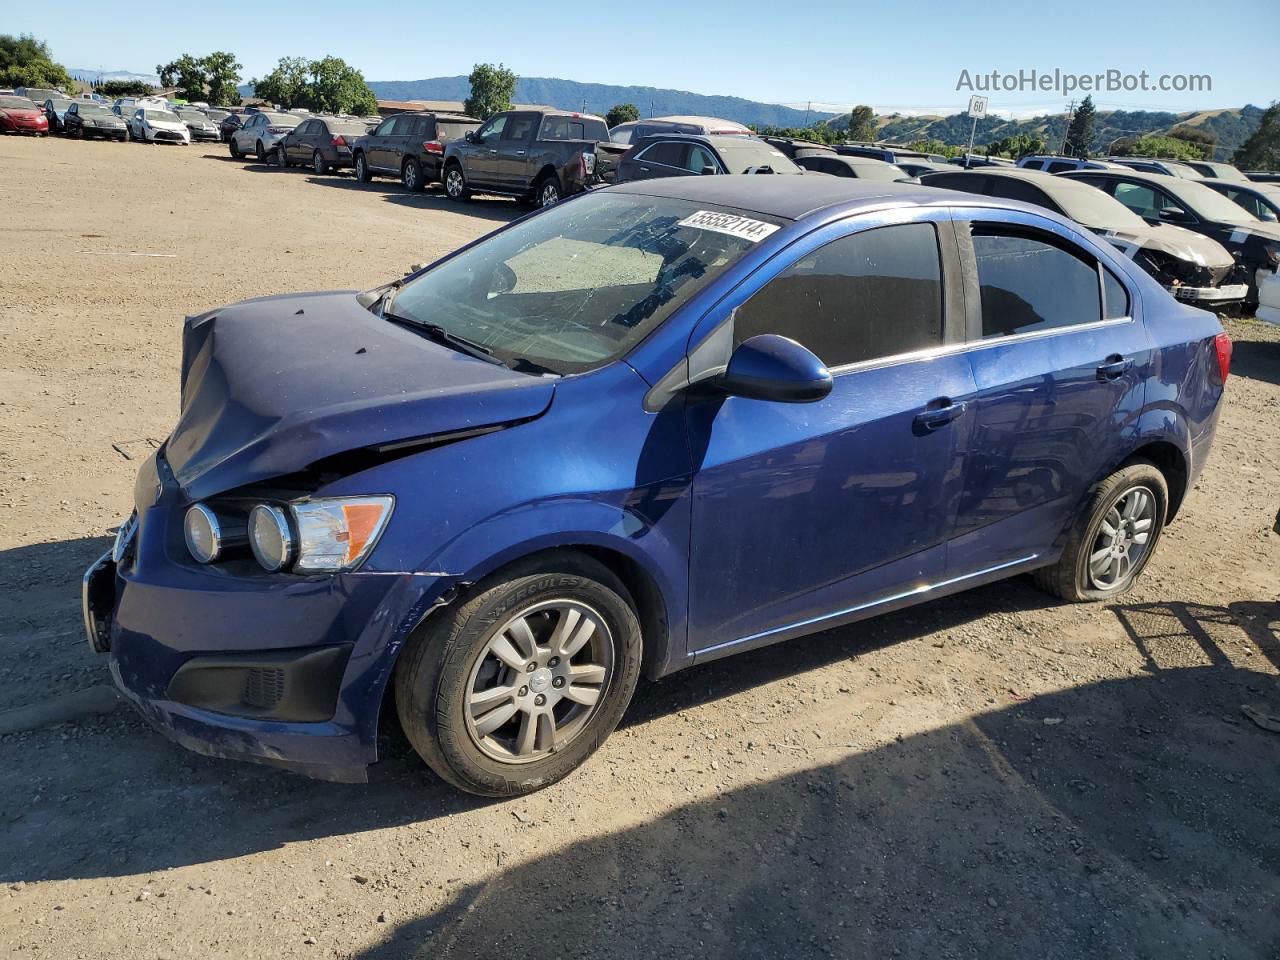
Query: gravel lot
{"points": [[992, 775]]}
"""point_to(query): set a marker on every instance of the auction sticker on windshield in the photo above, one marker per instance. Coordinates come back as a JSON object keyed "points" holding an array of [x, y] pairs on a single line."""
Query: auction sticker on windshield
{"points": [[734, 226]]}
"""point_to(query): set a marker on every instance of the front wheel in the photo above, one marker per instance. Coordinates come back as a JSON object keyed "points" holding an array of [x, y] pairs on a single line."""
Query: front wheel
{"points": [[261, 151], [520, 685], [1114, 538], [235, 149]]}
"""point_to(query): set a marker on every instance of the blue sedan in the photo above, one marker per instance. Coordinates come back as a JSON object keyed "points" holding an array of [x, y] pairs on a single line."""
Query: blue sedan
{"points": [[640, 430]]}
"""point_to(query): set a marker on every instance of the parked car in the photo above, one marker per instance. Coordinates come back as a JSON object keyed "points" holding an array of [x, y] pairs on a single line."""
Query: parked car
{"points": [[230, 124], [1260, 199], [55, 108], [1055, 164], [1254, 243], [790, 146], [20, 115], [200, 126], [916, 168], [410, 146], [1263, 176], [326, 520], [153, 125], [1216, 171], [260, 133], [1170, 168], [682, 155], [40, 94], [535, 155], [631, 131], [86, 118], [1269, 299], [322, 143], [972, 161], [889, 153], [863, 168], [1193, 267]]}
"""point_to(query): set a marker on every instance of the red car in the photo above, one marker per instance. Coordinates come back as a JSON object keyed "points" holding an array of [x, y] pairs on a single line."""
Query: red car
{"points": [[20, 115]]}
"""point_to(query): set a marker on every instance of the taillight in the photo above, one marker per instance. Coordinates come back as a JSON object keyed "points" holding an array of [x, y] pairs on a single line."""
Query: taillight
{"points": [[586, 164], [433, 146], [279, 129], [1222, 346], [338, 140]]}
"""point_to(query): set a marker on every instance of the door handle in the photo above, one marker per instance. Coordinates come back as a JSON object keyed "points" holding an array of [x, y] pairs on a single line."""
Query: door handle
{"points": [[519, 153], [938, 416], [644, 169], [1115, 367], [493, 151]]}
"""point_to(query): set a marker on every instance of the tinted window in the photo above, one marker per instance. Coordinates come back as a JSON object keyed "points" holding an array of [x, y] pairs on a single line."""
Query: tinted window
{"points": [[1033, 165], [1012, 189], [1141, 199], [519, 128], [447, 130], [383, 127], [1030, 284], [1057, 166], [669, 153], [869, 295], [1115, 297]]}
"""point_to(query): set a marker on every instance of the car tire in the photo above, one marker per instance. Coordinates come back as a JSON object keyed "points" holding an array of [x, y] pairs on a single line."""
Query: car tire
{"points": [[411, 176], [319, 164], [235, 149], [450, 685], [362, 169], [455, 183], [282, 158], [260, 152], [1097, 565], [547, 191]]}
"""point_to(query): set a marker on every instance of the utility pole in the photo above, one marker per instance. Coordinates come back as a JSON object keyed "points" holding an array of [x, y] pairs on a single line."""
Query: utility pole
{"points": [[1071, 112]]}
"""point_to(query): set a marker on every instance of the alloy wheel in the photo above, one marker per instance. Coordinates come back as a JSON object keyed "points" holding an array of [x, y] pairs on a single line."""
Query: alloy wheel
{"points": [[539, 680], [453, 182], [549, 194], [1121, 543]]}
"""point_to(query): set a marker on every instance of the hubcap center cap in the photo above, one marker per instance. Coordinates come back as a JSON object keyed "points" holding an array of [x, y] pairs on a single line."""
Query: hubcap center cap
{"points": [[540, 680]]}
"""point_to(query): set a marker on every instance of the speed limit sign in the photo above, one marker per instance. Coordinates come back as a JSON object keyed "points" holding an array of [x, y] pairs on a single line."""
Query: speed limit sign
{"points": [[977, 107]]}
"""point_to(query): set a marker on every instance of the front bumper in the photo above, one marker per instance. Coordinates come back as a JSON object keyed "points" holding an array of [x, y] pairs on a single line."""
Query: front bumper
{"points": [[280, 669], [1226, 293]]}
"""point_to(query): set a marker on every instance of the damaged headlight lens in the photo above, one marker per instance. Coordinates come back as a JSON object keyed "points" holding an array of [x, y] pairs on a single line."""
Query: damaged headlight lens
{"points": [[337, 534], [317, 536]]}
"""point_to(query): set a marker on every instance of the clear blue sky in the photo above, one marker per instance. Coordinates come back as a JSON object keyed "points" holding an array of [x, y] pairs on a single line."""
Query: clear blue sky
{"points": [[823, 50]]}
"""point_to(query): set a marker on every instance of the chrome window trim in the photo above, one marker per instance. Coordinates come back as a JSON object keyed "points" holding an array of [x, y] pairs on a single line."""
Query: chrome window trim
{"points": [[969, 346]]}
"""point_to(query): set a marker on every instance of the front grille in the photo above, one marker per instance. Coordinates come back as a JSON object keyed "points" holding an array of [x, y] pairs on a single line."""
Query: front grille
{"points": [[263, 687], [167, 135]]}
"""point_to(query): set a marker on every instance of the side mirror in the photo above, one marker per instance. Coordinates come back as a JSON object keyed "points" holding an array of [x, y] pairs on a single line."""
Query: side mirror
{"points": [[770, 367], [1173, 215], [709, 170], [470, 137]]}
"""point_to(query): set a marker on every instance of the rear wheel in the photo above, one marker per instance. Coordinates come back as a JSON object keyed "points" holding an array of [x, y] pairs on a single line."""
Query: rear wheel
{"points": [[319, 164], [455, 183], [362, 169], [235, 149], [282, 158], [517, 687], [411, 175], [261, 151], [1114, 538], [547, 193]]}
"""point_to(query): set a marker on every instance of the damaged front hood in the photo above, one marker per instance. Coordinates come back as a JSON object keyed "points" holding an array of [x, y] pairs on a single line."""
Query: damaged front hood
{"points": [[1174, 241], [271, 386]]}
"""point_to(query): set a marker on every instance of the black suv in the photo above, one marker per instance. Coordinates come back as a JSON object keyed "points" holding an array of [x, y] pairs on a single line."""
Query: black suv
{"points": [[409, 146]]}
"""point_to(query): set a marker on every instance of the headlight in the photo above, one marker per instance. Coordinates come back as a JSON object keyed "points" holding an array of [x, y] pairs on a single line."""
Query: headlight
{"points": [[203, 533], [337, 534], [270, 537]]}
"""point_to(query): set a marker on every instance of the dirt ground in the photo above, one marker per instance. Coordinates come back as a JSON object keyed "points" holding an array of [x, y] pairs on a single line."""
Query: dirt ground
{"points": [[992, 775]]}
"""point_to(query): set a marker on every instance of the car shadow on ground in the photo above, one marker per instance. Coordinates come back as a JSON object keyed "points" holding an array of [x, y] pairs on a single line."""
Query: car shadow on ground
{"points": [[1257, 360], [491, 208], [1131, 817], [244, 808]]}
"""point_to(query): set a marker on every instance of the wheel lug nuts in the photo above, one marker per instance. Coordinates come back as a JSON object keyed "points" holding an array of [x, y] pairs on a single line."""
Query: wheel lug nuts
{"points": [[558, 682], [539, 700], [530, 666], [524, 692], [553, 662]]}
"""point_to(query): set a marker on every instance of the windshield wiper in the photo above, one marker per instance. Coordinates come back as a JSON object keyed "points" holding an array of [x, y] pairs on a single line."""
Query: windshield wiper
{"points": [[441, 335]]}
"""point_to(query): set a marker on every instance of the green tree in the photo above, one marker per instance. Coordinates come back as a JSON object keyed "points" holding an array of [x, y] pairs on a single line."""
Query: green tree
{"points": [[286, 85], [336, 87], [187, 73], [1171, 148], [491, 90], [124, 88], [862, 124], [27, 62], [1261, 151], [1080, 132], [622, 113], [223, 77], [1016, 147], [1195, 135]]}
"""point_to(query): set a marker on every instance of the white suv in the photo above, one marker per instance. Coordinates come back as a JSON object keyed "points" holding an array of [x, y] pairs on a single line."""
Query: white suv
{"points": [[1050, 164]]}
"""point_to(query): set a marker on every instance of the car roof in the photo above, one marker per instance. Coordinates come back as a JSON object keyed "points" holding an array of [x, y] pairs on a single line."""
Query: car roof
{"points": [[791, 198], [452, 117], [701, 121]]}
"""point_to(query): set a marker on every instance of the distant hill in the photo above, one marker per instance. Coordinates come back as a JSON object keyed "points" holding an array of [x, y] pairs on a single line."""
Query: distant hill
{"points": [[1230, 126], [599, 97], [93, 76]]}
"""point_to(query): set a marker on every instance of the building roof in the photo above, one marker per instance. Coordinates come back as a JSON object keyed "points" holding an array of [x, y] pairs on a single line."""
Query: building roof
{"points": [[442, 106]]}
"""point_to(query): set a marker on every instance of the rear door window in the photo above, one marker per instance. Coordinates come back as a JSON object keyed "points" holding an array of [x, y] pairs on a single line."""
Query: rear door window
{"points": [[866, 296], [1032, 282], [1057, 166], [1115, 298], [1033, 165]]}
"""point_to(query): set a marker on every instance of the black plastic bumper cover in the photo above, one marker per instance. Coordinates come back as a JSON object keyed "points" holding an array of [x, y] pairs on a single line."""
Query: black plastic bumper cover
{"points": [[295, 686]]}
